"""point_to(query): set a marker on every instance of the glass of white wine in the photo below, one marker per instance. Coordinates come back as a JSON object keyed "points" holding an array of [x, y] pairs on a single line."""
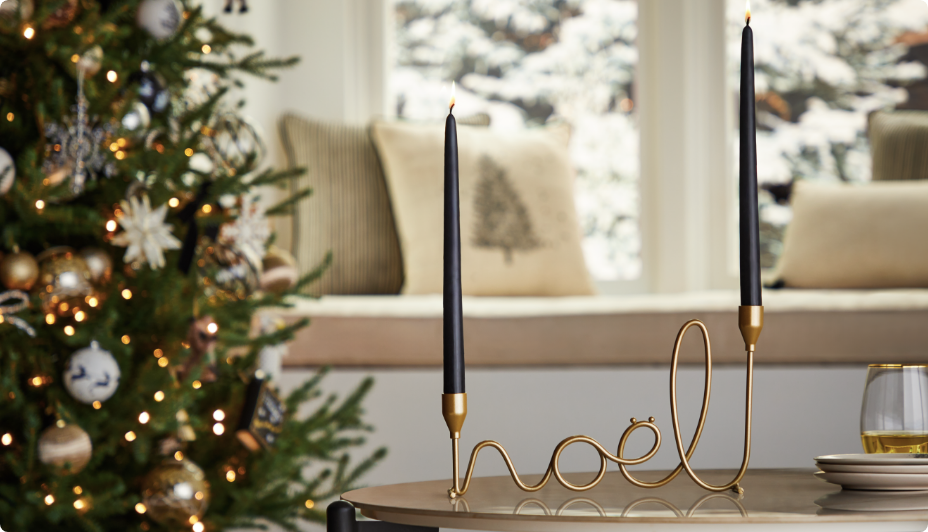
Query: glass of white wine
{"points": [[894, 415]]}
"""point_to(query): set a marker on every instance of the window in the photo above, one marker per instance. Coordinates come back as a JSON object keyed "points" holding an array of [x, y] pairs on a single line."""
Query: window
{"points": [[821, 67], [528, 62]]}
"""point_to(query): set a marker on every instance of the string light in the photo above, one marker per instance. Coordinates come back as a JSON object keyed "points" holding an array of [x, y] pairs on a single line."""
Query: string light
{"points": [[111, 76], [144, 417], [140, 508], [230, 475], [63, 307], [197, 384], [78, 490], [218, 429], [97, 405], [120, 155], [49, 499], [212, 328], [75, 58], [6, 439], [159, 396], [206, 49], [310, 503], [193, 520], [207, 209], [37, 381], [178, 456], [10, 117], [130, 436], [79, 315], [127, 294], [188, 152], [93, 302], [125, 339], [198, 495], [69, 330], [163, 362], [39, 204], [159, 353], [173, 202], [121, 142], [198, 527], [29, 32], [79, 504], [111, 225], [219, 415], [50, 319]]}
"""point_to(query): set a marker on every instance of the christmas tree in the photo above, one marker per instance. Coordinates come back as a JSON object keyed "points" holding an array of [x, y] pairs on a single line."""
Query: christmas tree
{"points": [[136, 261], [502, 219]]}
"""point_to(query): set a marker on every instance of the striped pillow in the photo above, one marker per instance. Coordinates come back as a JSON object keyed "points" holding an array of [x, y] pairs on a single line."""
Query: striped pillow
{"points": [[899, 145], [349, 210]]}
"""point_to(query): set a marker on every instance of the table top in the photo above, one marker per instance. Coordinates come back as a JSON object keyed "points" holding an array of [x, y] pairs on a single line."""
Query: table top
{"points": [[772, 497]]}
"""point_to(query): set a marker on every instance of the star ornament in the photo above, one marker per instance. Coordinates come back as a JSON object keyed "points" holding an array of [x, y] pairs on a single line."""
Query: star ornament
{"points": [[145, 234]]}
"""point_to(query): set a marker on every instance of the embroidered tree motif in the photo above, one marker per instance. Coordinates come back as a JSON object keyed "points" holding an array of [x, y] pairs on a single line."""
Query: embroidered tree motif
{"points": [[502, 219]]}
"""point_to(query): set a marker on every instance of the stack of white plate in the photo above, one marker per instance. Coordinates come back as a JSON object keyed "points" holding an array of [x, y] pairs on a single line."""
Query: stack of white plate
{"points": [[883, 472]]}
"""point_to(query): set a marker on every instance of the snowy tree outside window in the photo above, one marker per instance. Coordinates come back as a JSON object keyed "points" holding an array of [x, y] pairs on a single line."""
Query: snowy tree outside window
{"points": [[821, 67], [530, 62]]}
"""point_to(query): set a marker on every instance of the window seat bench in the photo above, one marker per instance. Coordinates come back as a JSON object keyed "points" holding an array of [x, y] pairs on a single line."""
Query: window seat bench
{"points": [[801, 327]]}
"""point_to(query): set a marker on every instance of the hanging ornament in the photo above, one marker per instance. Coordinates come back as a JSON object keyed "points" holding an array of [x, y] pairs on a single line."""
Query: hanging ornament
{"points": [[201, 337], [160, 18], [74, 146], [62, 16], [243, 6], [19, 271], [176, 491], [201, 84], [262, 416], [99, 263], [65, 447], [151, 91], [8, 309], [249, 232], [137, 119], [91, 61], [7, 171], [92, 374], [279, 272], [234, 141], [225, 273], [64, 281], [145, 234]]}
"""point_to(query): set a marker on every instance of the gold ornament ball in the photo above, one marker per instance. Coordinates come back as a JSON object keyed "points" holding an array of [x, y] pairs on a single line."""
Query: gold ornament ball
{"points": [[279, 271], [19, 271], [225, 274], [64, 280], [99, 263], [65, 448], [174, 491]]}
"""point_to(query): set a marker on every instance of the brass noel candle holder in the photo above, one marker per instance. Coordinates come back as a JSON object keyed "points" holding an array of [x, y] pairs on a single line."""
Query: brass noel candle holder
{"points": [[750, 322]]}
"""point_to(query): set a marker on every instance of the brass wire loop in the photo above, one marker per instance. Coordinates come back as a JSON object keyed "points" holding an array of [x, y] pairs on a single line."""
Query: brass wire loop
{"points": [[750, 320]]}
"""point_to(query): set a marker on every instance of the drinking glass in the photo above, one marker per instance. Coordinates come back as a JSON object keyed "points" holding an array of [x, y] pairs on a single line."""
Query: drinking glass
{"points": [[894, 415]]}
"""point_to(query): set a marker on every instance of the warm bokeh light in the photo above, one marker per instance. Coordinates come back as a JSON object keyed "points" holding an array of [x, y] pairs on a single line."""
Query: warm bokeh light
{"points": [[144, 417], [93, 302], [49, 499], [206, 49], [196, 385], [219, 415], [78, 490], [159, 396], [130, 436], [75, 58], [193, 520], [163, 362], [198, 527], [10, 117], [173, 202], [39, 204], [212, 328], [63, 307], [29, 33], [218, 429], [97, 405], [140, 508], [50, 319], [37, 381], [125, 339], [747, 12], [111, 225], [198, 495], [188, 152], [230, 475], [69, 330], [79, 315], [79, 504], [310, 503], [6, 439], [159, 353], [207, 209], [127, 294], [120, 155], [111, 76], [178, 456]]}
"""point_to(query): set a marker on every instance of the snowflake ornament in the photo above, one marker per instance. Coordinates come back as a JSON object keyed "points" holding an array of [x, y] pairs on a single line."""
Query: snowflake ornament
{"points": [[146, 235], [249, 232]]}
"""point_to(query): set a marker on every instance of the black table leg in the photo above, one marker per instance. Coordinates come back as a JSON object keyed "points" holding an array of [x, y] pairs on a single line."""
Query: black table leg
{"points": [[340, 517]]}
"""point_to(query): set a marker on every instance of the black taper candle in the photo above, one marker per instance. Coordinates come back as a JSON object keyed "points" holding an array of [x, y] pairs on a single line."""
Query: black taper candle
{"points": [[453, 316], [749, 226]]}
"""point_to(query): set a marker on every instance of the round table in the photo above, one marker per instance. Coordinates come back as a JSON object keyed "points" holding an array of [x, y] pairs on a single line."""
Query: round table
{"points": [[774, 500]]}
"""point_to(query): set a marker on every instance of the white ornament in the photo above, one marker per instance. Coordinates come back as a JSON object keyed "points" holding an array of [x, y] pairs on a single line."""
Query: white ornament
{"points": [[249, 232], [160, 18], [92, 374], [7, 171], [146, 235]]}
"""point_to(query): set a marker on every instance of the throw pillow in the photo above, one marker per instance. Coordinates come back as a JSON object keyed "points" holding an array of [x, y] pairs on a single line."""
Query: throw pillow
{"points": [[519, 229], [857, 236], [898, 141]]}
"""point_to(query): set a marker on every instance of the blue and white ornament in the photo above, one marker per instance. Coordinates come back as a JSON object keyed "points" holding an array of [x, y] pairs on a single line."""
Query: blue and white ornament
{"points": [[92, 374]]}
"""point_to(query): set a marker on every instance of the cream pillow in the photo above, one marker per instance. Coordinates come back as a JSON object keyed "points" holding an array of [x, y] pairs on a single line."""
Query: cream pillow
{"points": [[519, 230], [857, 236]]}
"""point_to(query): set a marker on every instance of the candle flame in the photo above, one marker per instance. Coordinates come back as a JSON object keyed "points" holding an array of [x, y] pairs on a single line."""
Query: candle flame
{"points": [[451, 105], [747, 12]]}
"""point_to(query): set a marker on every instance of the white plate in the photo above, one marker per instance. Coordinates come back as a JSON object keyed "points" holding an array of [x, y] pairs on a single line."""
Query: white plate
{"points": [[875, 501], [893, 469], [874, 459], [876, 481]]}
